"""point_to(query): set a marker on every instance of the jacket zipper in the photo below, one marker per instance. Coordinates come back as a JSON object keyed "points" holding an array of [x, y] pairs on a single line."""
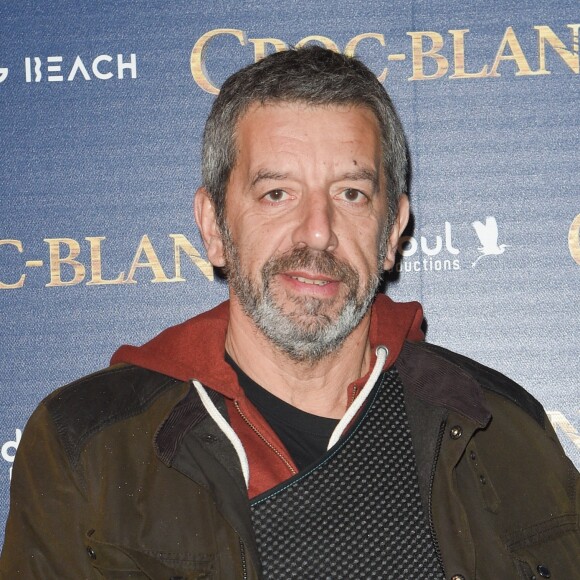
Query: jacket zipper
{"points": [[353, 396], [255, 430], [243, 559], [432, 479]]}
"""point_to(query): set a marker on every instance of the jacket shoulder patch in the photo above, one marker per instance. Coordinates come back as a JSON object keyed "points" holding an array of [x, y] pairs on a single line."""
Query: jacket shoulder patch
{"points": [[90, 404], [493, 381]]}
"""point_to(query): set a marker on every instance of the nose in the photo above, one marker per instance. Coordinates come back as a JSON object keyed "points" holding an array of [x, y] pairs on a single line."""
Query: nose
{"points": [[315, 227]]}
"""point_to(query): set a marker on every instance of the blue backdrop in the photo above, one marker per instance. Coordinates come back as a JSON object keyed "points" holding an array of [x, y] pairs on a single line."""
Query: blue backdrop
{"points": [[102, 109]]}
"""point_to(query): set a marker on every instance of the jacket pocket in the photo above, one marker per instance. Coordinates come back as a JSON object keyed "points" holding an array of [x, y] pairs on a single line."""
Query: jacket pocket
{"points": [[115, 562], [550, 549]]}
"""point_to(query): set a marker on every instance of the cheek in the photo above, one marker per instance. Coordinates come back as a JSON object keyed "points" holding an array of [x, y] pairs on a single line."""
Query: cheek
{"points": [[260, 242], [366, 248], [252, 254]]}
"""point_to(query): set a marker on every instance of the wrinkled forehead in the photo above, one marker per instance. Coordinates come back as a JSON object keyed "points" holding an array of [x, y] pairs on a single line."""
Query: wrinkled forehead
{"points": [[250, 123], [297, 128], [257, 104]]}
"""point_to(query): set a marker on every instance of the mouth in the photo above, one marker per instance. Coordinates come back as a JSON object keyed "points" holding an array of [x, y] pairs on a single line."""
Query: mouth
{"points": [[311, 281], [311, 274], [311, 284]]}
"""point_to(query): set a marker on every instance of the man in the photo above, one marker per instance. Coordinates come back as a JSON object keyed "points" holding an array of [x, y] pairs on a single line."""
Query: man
{"points": [[302, 430]]}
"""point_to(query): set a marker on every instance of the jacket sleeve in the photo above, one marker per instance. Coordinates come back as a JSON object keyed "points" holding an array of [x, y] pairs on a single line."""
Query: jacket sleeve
{"points": [[44, 533]]}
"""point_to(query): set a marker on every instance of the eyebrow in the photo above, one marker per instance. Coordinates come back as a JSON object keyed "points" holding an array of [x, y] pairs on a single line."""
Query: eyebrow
{"points": [[264, 174], [363, 175]]}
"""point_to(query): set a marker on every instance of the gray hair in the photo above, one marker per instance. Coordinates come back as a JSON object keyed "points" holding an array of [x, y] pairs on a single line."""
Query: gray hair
{"points": [[311, 75]]}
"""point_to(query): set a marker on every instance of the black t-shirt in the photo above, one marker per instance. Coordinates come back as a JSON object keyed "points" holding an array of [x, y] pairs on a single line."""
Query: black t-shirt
{"points": [[304, 435]]}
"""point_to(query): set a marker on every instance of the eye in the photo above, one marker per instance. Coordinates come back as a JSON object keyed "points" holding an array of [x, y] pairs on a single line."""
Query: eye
{"points": [[275, 196], [353, 195]]}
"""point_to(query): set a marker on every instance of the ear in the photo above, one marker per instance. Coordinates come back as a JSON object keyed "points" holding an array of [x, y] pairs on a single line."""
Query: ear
{"points": [[397, 230], [205, 216]]}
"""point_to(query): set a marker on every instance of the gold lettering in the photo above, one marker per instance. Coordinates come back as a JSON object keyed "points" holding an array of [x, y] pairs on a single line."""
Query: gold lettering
{"points": [[56, 261], [181, 243], [570, 57], [459, 57], [419, 55], [352, 44], [517, 54], [152, 262], [197, 60], [18, 245], [96, 272], [324, 40], [574, 239], [260, 45]]}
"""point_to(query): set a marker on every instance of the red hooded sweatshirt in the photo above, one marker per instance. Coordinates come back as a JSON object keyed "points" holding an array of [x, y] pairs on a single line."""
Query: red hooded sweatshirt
{"points": [[195, 350]]}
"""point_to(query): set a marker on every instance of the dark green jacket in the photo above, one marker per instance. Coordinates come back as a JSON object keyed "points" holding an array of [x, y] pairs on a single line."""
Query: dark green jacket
{"points": [[123, 475]]}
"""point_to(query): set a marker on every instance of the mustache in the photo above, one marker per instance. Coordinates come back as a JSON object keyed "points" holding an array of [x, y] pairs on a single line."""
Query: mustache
{"points": [[319, 261]]}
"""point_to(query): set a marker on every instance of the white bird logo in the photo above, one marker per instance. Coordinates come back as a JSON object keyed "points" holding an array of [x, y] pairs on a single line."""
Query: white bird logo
{"points": [[487, 234]]}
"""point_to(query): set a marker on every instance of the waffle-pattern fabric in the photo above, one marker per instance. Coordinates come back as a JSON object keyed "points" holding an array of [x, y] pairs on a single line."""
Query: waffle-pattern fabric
{"points": [[357, 513]]}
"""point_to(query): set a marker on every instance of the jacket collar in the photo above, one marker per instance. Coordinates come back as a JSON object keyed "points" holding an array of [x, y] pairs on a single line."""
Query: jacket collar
{"points": [[430, 374]]}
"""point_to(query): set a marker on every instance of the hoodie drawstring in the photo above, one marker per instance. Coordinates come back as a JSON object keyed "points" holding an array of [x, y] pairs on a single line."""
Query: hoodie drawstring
{"points": [[382, 353], [226, 428]]}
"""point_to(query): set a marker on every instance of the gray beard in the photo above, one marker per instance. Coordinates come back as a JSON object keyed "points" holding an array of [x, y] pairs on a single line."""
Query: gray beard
{"points": [[307, 334]]}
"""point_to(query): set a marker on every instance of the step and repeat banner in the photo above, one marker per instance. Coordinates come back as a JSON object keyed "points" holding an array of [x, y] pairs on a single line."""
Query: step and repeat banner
{"points": [[102, 106]]}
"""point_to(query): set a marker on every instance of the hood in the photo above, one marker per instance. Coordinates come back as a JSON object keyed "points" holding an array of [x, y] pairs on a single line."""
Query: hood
{"points": [[195, 349]]}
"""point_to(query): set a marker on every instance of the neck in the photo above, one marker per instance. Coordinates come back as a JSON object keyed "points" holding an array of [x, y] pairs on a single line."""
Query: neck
{"points": [[318, 387]]}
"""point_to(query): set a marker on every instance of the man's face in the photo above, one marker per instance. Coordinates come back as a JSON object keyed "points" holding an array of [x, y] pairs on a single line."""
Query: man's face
{"points": [[305, 240]]}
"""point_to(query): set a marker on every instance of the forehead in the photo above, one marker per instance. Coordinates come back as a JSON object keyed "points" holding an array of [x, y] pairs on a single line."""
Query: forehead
{"points": [[293, 110], [284, 131]]}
